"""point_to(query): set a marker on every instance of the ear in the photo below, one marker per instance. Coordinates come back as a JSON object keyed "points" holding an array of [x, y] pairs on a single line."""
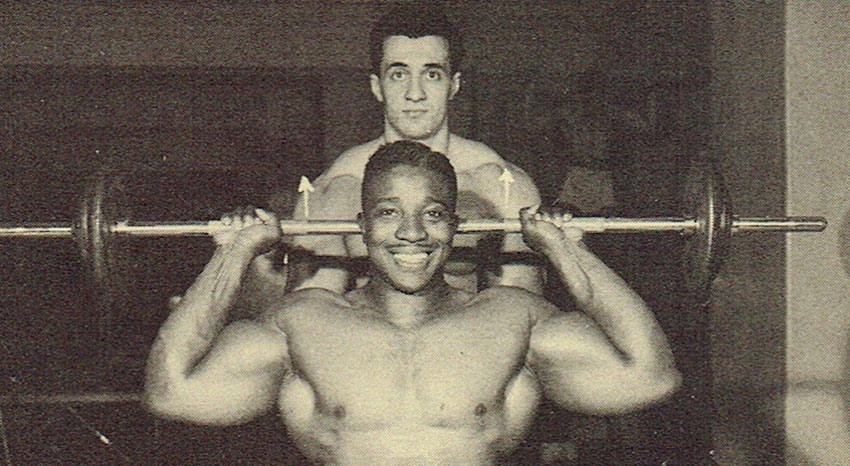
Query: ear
{"points": [[375, 84], [455, 85]]}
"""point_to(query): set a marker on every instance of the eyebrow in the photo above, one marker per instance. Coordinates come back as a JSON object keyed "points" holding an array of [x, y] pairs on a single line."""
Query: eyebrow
{"points": [[438, 201], [441, 66], [399, 64], [428, 199]]}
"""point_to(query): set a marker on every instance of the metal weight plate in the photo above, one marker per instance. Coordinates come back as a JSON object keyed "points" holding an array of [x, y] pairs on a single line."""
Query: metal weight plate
{"points": [[706, 201], [102, 206]]}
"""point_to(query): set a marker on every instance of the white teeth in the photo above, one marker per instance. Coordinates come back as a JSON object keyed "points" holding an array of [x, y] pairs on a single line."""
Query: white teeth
{"points": [[414, 259]]}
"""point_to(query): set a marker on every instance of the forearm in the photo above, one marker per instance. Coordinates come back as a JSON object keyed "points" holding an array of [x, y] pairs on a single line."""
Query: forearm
{"points": [[191, 328], [621, 313]]}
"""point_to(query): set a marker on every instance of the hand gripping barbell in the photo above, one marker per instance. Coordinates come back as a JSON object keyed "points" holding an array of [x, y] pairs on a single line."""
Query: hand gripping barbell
{"points": [[708, 223]]}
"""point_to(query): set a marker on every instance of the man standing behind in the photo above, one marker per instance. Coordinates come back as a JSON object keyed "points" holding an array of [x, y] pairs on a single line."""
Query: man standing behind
{"points": [[415, 53]]}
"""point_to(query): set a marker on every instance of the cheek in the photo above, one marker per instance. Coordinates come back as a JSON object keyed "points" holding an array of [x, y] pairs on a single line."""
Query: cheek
{"points": [[377, 232], [440, 91], [393, 91], [442, 234]]}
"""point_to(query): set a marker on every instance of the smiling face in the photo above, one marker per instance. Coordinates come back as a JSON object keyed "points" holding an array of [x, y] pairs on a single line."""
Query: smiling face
{"points": [[415, 86], [408, 225]]}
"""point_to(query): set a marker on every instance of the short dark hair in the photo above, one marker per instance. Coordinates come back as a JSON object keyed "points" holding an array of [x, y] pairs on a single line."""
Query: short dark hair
{"points": [[414, 19], [410, 153]]}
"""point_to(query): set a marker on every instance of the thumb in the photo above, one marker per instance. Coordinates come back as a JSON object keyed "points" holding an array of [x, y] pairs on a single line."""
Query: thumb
{"points": [[526, 213]]}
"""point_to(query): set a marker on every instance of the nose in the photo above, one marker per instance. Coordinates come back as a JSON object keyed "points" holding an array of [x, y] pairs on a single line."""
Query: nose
{"points": [[415, 93], [411, 229]]}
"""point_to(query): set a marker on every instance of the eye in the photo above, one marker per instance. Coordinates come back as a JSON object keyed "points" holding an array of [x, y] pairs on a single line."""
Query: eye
{"points": [[435, 214], [397, 75], [434, 75], [386, 212]]}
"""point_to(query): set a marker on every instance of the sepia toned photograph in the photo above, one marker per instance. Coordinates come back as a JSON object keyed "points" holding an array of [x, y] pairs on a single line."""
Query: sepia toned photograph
{"points": [[421, 233]]}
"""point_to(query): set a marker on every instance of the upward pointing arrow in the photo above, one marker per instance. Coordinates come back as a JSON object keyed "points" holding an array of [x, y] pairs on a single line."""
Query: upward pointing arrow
{"points": [[305, 187], [507, 180]]}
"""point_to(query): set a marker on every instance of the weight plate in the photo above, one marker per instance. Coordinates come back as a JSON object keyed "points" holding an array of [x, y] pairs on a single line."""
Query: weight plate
{"points": [[102, 206], [706, 201]]}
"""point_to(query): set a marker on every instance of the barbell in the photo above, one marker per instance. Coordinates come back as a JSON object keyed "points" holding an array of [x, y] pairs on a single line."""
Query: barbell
{"points": [[708, 223]]}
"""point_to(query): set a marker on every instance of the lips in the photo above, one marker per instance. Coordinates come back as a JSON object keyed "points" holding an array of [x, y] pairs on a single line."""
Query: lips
{"points": [[411, 260], [414, 113]]}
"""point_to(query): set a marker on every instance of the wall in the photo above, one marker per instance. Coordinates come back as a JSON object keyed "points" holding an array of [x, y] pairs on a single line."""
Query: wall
{"points": [[780, 323], [747, 315], [277, 34], [817, 411]]}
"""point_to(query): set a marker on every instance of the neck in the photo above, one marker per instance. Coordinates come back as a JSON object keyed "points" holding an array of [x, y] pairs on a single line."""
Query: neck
{"points": [[438, 142], [406, 309]]}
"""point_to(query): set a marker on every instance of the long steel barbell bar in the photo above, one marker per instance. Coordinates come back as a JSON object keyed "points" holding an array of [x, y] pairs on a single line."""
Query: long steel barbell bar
{"points": [[343, 227]]}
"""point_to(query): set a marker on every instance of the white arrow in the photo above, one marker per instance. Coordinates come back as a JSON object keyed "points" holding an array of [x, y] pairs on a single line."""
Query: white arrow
{"points": [[507, 180], [305, 187]]}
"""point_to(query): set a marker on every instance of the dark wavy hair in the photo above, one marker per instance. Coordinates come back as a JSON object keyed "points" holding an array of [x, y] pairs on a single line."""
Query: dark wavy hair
{"points": [[411, 153], [415, 19]]}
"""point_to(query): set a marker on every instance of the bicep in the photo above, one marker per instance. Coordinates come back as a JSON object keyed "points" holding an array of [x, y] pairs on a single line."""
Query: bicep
{"points": [[575, 363], [581, 370], [238, 379], [245, 348], [570, 340]]}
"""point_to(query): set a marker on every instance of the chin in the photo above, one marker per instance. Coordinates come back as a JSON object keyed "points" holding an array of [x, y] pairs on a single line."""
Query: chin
{"points": [[411, 287]]}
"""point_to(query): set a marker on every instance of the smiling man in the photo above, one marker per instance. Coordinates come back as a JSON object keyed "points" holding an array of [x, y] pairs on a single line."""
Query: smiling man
{"points": [[415, 54], [408, 370]]}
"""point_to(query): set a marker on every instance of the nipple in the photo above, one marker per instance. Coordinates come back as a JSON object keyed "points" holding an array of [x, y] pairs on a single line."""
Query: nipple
{"points": [[339, 412], [480, 410]]}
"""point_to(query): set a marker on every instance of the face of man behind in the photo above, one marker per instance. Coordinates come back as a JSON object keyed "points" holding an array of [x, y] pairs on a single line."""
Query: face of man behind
{"points": [[415, 86], [408, 225]]}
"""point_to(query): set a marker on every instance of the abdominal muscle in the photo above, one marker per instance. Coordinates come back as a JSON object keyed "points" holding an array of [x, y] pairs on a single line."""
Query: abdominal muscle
{"points": [[411, 445], [406, 440]]}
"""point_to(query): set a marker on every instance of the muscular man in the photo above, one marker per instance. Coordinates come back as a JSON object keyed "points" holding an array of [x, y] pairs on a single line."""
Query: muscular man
{"points": [[415, 57], [407, 370]]}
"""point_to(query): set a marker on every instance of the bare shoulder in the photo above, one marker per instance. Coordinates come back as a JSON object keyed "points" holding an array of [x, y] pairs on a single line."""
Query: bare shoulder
{"points": [[513, 299], [336, 192], [304, 301], [467, 154], [483, 168], [352, 162]]}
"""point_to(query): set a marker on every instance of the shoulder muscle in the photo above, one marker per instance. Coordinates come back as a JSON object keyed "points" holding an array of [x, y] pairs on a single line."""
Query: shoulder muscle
{"points": [[517, 299]]}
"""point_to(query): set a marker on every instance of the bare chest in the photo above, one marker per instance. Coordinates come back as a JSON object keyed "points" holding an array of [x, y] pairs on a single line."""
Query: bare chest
{"points": [[452, 370]]}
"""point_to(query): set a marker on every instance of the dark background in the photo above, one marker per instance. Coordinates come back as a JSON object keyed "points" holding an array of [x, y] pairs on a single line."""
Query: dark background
{"points": [[208, 106]]}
